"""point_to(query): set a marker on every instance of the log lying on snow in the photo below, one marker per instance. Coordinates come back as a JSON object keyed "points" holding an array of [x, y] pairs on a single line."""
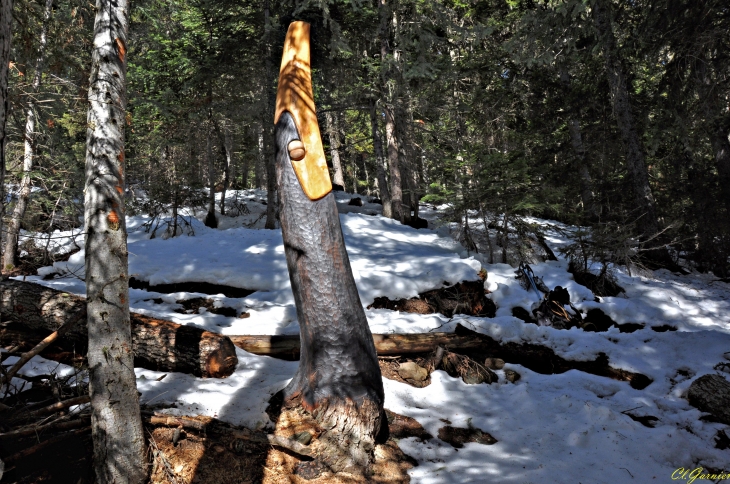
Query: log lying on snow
{"points": [[539, 359], [287, 346], [711, 394], [30, 312]]}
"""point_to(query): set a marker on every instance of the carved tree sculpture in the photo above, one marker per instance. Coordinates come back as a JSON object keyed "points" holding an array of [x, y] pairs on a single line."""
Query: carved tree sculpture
{"points": [[338, 380]]}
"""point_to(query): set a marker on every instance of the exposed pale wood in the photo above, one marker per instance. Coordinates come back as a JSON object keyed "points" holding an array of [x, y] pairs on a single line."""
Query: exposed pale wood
{"points": [[711, 394], [295, 96]]}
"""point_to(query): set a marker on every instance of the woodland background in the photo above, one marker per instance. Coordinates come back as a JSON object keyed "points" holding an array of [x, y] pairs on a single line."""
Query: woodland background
{"points": [[609, 114]]}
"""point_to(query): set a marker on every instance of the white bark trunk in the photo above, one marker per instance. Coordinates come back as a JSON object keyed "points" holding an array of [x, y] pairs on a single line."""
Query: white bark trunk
{"points": [[334, 137], [119, 444]]}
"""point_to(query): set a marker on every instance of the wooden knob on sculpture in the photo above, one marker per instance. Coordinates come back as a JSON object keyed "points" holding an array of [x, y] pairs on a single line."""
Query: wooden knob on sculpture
{"points": [[296, 150]]}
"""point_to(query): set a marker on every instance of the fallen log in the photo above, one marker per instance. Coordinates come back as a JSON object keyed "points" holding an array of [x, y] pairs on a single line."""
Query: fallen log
{"points": [[286, 347], [30, 312], [539, 359], [711, 394]]}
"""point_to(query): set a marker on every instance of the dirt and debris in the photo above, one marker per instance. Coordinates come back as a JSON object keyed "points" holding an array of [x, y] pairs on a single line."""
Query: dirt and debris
{"points": [[192, 306], [200, 287], [457, 436], [466, 297]]}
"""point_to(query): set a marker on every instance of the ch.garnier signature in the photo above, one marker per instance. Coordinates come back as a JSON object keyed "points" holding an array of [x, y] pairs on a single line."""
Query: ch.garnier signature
{"points": [[690, 475]]}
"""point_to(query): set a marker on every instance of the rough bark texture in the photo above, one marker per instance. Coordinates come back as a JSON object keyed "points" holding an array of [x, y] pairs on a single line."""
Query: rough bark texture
{"points": [[334, 136], [338, 379], [11, 243], [32, 311], [6, 17], [625, 119], [380, 164], [117, 434], [711, 394]]}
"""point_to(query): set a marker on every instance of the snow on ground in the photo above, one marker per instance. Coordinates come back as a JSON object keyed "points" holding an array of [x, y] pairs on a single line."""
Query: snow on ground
{"points": [[570, 427]]}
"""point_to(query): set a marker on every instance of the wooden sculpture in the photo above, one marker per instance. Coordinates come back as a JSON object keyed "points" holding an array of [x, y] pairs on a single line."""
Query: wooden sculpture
{"points": [[338, 380]]}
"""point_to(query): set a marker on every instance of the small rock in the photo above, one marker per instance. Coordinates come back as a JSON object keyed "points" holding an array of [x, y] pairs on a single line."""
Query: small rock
{"points": [[511, 376], [494, 363], [411, 371], [303, 438], [244, 315]]}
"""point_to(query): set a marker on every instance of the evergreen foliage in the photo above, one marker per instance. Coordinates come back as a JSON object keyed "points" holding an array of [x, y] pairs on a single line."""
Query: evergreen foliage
{"points": [[503, 109]]}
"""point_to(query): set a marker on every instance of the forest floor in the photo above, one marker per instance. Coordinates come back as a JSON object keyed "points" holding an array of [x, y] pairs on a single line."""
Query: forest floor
{"points": [[545, 425]]}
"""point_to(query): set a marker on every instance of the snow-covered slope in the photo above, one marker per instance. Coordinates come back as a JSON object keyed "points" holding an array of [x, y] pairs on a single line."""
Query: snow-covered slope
{"points": [[571, 427]]}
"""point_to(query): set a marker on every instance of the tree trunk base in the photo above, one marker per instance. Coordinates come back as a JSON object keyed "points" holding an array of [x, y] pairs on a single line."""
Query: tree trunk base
{"points": [[348, 435]]}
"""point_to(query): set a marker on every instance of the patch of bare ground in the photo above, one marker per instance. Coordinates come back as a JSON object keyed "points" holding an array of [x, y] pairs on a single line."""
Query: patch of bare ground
{"points": [[283, 467], [191, 457]]}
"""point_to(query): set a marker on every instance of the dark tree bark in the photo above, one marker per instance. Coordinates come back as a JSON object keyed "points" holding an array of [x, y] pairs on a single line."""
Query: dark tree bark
{"points": [[380, 163], [633, 150], [13, 231], [576, 140], [338, 377], [210, 218], [33, 311], [117, 434], [272, 200], [6, 18], [227, 146]]}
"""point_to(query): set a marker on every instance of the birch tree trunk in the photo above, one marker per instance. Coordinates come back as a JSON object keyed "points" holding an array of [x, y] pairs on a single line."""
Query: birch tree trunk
{"points": [[576, 140], [11, 243], [380, 163], [396, 193], [633, 150], [6, 17], [337, 178], [119, 444]]}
